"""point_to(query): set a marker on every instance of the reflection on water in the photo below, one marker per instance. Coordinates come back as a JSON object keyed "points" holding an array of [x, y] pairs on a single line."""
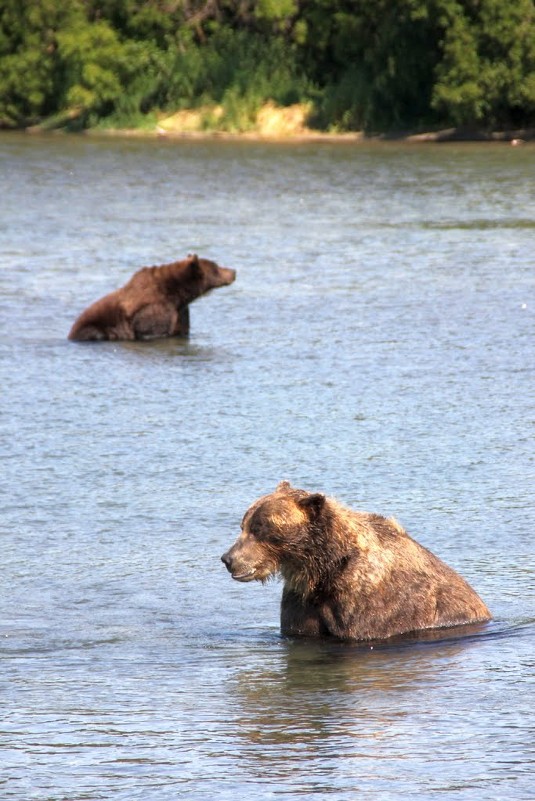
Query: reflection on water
{"points": [[166, 350], [324, 671], [377, 345], [354, 713]]}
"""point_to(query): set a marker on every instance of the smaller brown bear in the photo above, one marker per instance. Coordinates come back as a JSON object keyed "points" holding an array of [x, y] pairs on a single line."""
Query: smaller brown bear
{"points": [[349, 575], [154, 302]]}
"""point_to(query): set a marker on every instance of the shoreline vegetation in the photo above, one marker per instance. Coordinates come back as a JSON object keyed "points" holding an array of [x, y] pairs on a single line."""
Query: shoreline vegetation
{"points": [[278, 124], [439, 70]]}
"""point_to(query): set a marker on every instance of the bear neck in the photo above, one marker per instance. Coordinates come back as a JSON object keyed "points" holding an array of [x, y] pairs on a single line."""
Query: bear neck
{"points": [[179, 284], [322, 556]]}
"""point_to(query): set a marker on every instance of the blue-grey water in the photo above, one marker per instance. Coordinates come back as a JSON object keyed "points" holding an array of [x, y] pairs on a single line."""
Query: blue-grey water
{"points": [[377, 345]]}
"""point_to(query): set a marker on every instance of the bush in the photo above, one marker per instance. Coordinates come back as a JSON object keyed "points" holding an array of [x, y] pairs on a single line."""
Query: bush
{"points": [[486, 76], [391, 64]]}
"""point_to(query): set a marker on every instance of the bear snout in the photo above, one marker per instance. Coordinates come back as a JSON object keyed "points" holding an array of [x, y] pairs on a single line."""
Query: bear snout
{"points": [[239, 569], [227, 275]]}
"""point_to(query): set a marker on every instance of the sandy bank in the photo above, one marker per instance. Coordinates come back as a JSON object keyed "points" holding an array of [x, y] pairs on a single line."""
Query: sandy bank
{"points": [[288, 123]]}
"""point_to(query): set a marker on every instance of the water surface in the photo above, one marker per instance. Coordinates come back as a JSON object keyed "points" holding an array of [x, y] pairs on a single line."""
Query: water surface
{"points": [[377, 345]]}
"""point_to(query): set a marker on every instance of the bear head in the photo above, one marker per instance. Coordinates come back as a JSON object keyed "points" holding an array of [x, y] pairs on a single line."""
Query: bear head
{"points": [[278, 534], [207, 274]]}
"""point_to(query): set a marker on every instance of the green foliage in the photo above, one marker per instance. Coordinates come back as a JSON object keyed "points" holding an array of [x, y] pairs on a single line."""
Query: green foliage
{"points": [[28, 59], [487, 72], [93, 61], [386, 65], [239, 70], [276, 10], [378, 62]]}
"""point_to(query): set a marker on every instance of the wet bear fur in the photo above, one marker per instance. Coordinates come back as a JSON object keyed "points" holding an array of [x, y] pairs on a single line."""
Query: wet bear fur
{"points": [[154, 302], [347, 574]]}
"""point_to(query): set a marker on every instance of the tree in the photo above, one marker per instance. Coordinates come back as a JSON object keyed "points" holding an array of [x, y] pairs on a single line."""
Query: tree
{"points": [[97, 67], [29, 73], [386, 65], [486, 75], [376, 61]]}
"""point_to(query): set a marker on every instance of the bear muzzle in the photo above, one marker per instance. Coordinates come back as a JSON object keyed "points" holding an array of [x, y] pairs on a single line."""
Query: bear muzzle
{"points": [[239, 571], [225, 276]]}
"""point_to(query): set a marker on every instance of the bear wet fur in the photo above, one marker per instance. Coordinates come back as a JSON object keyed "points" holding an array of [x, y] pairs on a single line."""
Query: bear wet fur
{"points": [[154, 302], [347, 574]]}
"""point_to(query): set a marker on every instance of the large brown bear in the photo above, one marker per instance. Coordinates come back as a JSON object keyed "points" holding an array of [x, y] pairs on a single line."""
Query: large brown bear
{"points": [[154, 302], [349, 575]]}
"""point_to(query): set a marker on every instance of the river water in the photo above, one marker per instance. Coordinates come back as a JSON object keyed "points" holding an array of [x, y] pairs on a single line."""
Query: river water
{"points": [[377, 345]]}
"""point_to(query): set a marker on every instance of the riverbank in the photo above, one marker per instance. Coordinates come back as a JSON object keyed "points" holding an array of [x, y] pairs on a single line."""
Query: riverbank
{"points": [[514, 138], [276, 123], [287, 124]]}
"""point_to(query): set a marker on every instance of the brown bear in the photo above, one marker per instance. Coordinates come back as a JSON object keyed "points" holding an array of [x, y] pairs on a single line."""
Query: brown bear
{"points": [[349, 575], [154, 302]]}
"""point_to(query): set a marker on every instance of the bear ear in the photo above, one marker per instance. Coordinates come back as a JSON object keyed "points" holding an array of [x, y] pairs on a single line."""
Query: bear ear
{"points": [[313, 504], [194, 263], [283, 486]]}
